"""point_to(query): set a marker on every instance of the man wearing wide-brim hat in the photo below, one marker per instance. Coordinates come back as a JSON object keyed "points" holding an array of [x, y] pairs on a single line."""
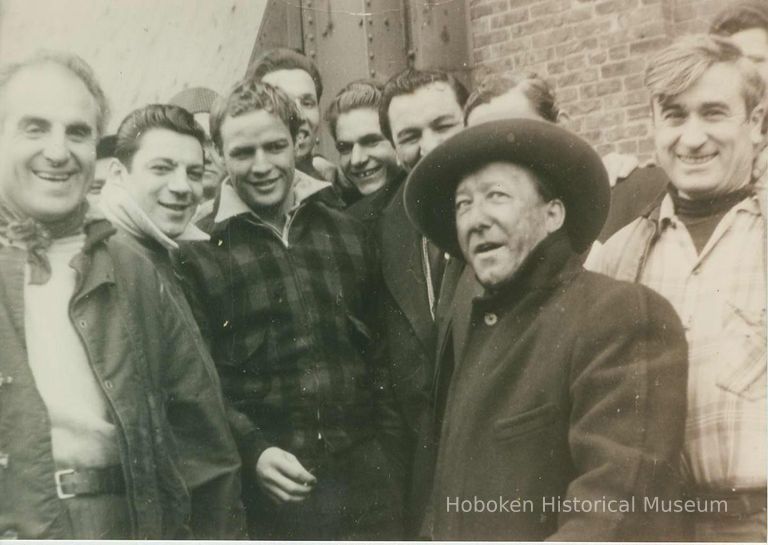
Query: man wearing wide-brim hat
{"points": [[560, 393]]}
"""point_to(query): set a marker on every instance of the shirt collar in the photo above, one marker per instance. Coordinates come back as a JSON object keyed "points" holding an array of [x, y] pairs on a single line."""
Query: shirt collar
{"points": [[750, 205], [231, 205]]}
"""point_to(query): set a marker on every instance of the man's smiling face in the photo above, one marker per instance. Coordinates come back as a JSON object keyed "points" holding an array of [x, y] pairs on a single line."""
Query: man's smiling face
{"points": [[704, 136], [47, 141]]}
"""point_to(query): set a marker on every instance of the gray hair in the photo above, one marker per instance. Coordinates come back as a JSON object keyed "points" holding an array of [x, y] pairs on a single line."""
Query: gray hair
{"points": [[77, 66], [679, 66]]}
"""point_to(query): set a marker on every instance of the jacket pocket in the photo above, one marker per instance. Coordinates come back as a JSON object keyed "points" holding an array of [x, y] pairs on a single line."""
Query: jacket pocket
{"points": [[513, 427], [743, 348]]}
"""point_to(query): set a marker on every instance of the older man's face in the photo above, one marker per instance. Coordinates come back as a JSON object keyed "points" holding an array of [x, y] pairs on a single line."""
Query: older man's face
{"points": [[705, 139], [47, 141], [500, 217]]}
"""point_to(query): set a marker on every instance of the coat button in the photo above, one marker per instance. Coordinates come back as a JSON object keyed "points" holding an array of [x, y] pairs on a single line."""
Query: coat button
{"points": [[108, 384], [490, 319], [4, 459]]}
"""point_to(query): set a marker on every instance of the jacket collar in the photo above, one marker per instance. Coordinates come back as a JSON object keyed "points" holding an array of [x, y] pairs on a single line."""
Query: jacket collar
{"points": [[231, 205]]}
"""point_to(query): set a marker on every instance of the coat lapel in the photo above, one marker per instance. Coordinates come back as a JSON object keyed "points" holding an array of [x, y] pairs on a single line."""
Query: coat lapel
{"points": [[402, 269]]}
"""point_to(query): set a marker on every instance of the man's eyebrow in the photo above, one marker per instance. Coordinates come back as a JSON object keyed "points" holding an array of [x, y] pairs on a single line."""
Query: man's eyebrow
{"points": [[443, 119], [32, 120], [715, 104]]}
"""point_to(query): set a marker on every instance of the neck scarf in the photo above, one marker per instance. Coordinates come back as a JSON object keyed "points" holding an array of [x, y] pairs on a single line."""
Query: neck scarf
{"points": [[711, 206], [19, 230], [122, 210]]}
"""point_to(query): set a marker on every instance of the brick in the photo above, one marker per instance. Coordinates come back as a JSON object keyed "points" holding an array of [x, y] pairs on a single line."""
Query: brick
{"points": [[510, 18], [621, 68], [481, 26], [638, 112], [576, 47], [553, 37], [585, 107], [577, 15], [482, 54], [519, 3], [576, 62], [605, 149], [646, 146], [536, 56], [598, 57], [588, 91], [683, 12], [634, 82], [618, 52], [577, 77], [629, 147], [614, 6], [491, 38], [647, 30], [593, 137], [488, 8], [648, 46], [550, 7], [603, 120], [591, 29], [534, 26], [507, 48], [556, 67], [608, 87], [564, 96], [635, 131]]}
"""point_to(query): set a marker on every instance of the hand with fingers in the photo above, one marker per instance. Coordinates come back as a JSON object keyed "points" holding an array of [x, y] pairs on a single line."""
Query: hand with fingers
{"points": [[283, 477]]}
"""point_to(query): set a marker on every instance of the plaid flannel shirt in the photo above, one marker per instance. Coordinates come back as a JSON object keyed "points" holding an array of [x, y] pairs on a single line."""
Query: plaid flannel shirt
{"points": [[287, 318], [720, 296]]}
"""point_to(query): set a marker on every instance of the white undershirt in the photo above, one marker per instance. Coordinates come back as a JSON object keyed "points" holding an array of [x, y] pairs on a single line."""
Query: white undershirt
{"points": [[81, 433]]}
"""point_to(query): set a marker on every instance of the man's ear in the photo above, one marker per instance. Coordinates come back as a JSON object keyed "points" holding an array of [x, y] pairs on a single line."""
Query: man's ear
{"points": [[756, 121], [555, 217], [116, 170]]}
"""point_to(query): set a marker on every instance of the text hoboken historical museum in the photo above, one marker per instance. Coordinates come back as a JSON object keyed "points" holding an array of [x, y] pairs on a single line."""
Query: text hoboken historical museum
{"points": [[558, 504]]}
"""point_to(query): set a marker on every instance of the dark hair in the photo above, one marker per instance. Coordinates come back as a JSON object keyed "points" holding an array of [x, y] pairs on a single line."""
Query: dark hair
{"points": [[250, 95], [105, 148], [282, 58], [409, 81], [739, 16], [362, 93], [535, 89], [77, 66], [153, 116]]}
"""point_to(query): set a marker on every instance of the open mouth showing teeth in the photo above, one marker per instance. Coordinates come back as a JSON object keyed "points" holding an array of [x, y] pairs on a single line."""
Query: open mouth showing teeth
{"points": [[696, 159], [486, 247], [54, 176], [366, 173], [175, 207]]}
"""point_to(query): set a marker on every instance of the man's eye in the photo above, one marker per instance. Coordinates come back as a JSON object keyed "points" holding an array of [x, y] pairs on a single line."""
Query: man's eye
{"points": [[309, 102], [715, 115], [673, 116], [34, 129], [161, 169], [240, 153], [462, 205], [343, 147], [408, 139], [497, 196], [276, 147], [443, 127], [195, 175]]}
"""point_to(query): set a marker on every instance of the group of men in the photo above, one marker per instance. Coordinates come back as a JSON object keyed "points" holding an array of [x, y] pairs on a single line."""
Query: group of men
{"points": [[405, 345]]}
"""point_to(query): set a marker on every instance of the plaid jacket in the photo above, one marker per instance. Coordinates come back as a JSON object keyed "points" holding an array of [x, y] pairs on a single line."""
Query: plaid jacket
{"points": [[720, 297], [288, 322]]}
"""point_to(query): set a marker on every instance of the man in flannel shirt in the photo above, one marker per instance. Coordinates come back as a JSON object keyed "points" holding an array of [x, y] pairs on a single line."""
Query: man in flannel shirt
{"points": [[282, 292], [702, 246]]}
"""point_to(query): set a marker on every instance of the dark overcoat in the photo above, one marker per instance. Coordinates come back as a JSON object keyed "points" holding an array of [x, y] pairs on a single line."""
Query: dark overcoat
{"points": [[568, 386]]}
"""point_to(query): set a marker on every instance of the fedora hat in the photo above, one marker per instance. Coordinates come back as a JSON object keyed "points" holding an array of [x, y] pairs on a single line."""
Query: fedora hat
{"points": [[562, 161]]}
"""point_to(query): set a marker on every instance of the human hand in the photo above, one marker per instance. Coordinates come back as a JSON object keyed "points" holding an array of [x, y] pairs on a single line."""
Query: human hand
{"points": [[282, 476]]}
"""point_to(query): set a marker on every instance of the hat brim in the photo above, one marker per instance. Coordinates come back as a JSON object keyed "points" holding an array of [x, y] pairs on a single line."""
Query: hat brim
{"points": [[565, 163]]}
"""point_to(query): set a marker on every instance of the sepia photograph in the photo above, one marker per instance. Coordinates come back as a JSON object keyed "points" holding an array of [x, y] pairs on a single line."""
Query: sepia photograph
{"points": [[383, 270]]}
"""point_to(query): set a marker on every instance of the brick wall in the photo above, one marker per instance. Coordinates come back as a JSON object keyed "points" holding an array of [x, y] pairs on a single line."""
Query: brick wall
{"points": [[593, 52]]}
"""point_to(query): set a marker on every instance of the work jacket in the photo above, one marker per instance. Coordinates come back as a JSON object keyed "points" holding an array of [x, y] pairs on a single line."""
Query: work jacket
{"points": [[568, 387], [155, 377]]}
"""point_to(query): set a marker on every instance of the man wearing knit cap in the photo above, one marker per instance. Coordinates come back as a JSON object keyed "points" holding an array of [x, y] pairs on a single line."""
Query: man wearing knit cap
{"points": [[563, 390], [702, 246]]}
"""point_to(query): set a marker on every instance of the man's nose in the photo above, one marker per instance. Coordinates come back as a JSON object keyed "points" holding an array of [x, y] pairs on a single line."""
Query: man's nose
{"points": [[56, 147], [180, 182], [429, 141], [260, 165], [693, 133], [475, 217], [359, 156]]}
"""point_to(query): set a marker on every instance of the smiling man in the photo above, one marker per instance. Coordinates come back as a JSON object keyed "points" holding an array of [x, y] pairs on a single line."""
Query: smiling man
{"points": [[568, 385], [367, 158], [111, 420], [284, 289], [702, 246]]}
